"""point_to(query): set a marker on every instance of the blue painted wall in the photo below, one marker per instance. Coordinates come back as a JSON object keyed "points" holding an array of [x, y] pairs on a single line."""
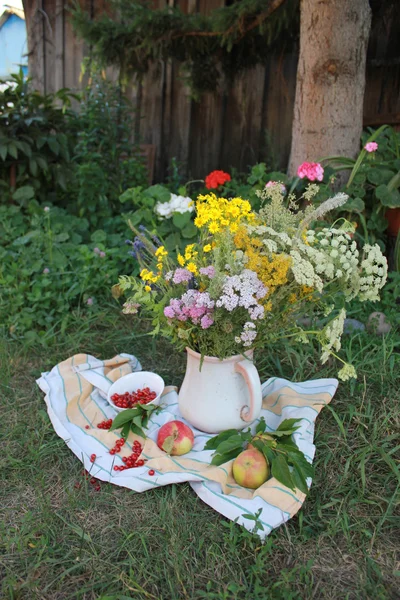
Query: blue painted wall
{"points": [[13, 46]]}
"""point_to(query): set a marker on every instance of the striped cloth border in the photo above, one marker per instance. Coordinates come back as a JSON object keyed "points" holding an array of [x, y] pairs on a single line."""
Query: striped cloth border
{"points": [[75, 394]]}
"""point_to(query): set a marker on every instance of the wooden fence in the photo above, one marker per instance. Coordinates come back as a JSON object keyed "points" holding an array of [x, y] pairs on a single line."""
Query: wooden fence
{"points": [[248, 123]]}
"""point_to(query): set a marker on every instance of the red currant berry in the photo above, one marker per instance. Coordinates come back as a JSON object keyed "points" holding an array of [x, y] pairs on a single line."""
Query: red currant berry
{"points": [[151, 472]]}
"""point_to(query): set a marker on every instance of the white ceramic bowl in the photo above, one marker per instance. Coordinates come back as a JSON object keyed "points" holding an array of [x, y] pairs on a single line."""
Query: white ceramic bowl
{"points": [[137, 381]]}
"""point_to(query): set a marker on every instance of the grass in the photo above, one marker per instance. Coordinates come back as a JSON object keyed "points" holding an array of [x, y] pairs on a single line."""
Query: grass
{"points": [[62, 542]]}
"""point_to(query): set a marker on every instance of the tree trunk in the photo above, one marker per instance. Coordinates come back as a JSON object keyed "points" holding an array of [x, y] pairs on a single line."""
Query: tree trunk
{"points": [[330, 84]]}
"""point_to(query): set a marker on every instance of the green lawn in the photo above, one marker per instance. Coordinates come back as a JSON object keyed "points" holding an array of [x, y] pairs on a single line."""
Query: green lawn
{"points": [[59, 541]]}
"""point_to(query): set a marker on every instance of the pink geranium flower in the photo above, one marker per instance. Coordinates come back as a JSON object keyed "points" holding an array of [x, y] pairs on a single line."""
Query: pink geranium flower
{"points": [[371, 147], [312, 171]]}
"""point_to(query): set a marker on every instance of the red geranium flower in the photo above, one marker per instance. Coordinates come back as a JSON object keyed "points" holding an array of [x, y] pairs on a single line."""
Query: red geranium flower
{"points": [[216, 178]]}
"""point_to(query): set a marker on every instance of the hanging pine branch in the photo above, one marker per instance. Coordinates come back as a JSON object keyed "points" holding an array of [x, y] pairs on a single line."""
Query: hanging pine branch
{"points": [[209, 48]]}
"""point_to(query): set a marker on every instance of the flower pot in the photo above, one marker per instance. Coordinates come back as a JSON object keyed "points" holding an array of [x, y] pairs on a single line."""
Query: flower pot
{"points": [[220, 394], [393, 218]]}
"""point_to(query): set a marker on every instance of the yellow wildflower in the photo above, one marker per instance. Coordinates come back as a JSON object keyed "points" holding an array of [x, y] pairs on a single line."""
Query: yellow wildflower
{"points": [[192, 268], [207, 248], [220, 213], [147, 288], [181, 260], [161, 251], [271, 271]]}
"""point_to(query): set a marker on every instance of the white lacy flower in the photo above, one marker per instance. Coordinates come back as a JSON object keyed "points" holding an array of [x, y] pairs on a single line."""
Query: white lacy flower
{"points": [[374, 273], [331, 335], [347, 372], [304, 273], [176, 204]]}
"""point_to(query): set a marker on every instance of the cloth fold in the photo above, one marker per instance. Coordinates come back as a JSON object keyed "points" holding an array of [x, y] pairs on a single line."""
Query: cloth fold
{"points": [[76, 397]]}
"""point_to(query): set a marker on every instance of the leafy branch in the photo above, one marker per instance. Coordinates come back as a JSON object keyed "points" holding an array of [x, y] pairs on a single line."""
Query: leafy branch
{"points": [[134, 419], [229, 40], [288, 463]]}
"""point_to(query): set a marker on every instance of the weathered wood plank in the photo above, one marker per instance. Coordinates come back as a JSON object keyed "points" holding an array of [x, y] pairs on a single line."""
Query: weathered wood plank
{"points": [[59, 38], [207, 118]]}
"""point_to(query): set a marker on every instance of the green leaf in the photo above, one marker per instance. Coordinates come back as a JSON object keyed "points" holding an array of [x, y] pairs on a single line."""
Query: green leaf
{"points": [[33, 166], [261, 426], [3, 152], [180, 220], [53, 145], [389, 198], [137, 430], [220, 459], [98, 236], [189, 231], [61, 237], [354, 205], [378, 176], [288, 424], [235, 441], [214, 442], [137, 421], [123, 417], [280, 470], [299, 480], [24, 193], [125, 430], [42, 162], [13, 150], [268, 453], [158, 192]]}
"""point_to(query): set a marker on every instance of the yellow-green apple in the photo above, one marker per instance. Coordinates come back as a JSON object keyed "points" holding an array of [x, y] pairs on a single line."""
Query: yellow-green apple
{"points": [[250, 469], [175, 438]]}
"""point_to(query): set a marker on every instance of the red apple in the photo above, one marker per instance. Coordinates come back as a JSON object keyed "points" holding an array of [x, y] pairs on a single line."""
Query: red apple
{"points": [[250, 469], [175, 438]]}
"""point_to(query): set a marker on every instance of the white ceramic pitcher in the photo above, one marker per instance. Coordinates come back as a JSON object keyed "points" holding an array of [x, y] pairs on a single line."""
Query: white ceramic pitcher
{"points": [[223, 394]]}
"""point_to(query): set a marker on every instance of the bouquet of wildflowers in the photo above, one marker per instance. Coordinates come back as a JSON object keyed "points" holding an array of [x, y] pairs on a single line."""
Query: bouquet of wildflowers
{"points": [[253, 275]]}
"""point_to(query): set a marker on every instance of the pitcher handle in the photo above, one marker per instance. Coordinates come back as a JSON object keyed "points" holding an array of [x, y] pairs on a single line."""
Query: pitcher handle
{"points": [[250, 374]]}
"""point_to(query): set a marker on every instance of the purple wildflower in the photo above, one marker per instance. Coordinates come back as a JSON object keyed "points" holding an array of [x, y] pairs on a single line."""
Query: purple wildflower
{"points": [[208, 271], [243, 290], [89, 301], [206, 321], [46, 270], [182, 275]]}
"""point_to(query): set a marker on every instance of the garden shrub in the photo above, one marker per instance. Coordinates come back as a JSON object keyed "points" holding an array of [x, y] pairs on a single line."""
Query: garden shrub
{"points": [[81, 160], [106, 161], [35, 143], [52, 268]]}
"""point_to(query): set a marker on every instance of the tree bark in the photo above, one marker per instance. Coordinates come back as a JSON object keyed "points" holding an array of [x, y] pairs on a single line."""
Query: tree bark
{"points": [[330, 83]]}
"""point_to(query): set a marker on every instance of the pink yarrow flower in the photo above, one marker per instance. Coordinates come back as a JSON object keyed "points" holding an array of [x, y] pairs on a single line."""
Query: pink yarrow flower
{"points": [[312, 171], [371, 147]]}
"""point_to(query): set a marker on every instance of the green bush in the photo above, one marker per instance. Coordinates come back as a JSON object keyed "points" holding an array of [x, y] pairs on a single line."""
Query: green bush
{"points": [[52, 269], [80, 160], [35, 143], [105, 159]]}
